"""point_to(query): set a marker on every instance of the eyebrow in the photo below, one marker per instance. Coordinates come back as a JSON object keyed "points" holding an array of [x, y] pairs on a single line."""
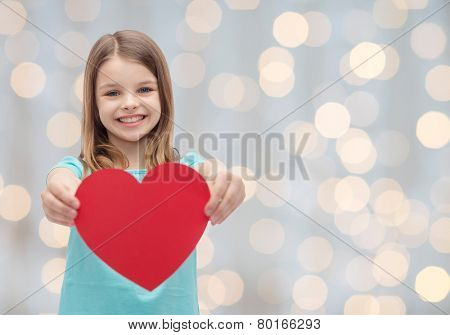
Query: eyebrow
{"points": [[114, 84]]}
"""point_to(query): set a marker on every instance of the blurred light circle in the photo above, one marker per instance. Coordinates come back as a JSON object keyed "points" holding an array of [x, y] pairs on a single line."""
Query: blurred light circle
{"points": [[203, 16], [388, 15], [190, 40], [315, 254], [440, 194], [63, 129], [275, 54], [250, 96], [367, 60], [52, 274], [188, 70], [437, 83], [391, 305], [352, 194], [397, 217], [433, 129], [386, 196], [52, 234], [277, 72], [391, 65], [226, 90], [319, 29], [205, 251], [15, 203], [411, 4], [82, 10], [358, 26], [428, 40], [352, 223], [372, 236], [310, 292], [72, 49], [332, 120], [234, 286], [325, 195], [440, 235], [242, 4], [363, 108], [362, 304], [290, 29], [418, 219], [216, 290], [27, 80], [296, 310], [392, 148], [211, 291], [395, 247], [274, 286], [271, 190], [203, 308], [414, 230], [391, 268], [277, 89], [22, 47], [432, 284], [363, 167], [13, 17], [348, 72], [359, 275], [78, 87], [266, 236], [356, 151]]}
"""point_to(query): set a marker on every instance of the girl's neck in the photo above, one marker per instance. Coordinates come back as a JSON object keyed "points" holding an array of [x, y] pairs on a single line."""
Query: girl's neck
{"points": [[134, 151]]}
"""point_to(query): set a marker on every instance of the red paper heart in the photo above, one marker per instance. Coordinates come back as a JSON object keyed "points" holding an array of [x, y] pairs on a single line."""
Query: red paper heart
{"points": [[144, 231]]}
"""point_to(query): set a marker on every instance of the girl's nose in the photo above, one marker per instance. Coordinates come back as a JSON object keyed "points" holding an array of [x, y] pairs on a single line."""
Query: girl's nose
{"points": [[130, 102]]}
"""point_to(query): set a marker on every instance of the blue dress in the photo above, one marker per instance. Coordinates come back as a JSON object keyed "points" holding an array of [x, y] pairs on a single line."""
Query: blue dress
{"points": [[90, 286]]}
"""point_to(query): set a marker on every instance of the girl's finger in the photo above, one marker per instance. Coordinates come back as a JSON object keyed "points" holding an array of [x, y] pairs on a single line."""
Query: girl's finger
{"points": [[62, 193], [60, 220], [219, 189], [58, 207], [230, 201]]}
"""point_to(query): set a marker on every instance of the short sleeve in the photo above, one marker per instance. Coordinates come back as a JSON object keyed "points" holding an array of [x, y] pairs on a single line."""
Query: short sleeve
{"points": [[191, 159], [71, 163]]}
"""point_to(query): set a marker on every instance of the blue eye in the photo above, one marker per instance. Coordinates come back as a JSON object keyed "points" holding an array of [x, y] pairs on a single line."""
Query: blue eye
{"points": [[145, 89], [110, 93]]}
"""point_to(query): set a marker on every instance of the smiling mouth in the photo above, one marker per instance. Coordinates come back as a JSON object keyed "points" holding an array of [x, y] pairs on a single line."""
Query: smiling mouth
{"points": [[131, 120]]}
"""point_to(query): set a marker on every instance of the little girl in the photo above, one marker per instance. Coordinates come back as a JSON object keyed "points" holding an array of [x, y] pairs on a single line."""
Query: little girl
{"points": [[128, 124]]}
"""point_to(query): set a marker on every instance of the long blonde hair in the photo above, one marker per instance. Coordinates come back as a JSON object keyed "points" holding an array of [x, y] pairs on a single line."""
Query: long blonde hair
{"points": [[96, 150]]}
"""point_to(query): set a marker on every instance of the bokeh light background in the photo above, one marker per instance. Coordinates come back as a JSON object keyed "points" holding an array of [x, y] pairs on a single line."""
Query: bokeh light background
{"points": [[378, 154]]}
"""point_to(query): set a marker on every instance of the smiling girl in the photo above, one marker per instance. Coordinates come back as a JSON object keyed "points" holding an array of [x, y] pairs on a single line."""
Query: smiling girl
{"points": [[127, 124]]}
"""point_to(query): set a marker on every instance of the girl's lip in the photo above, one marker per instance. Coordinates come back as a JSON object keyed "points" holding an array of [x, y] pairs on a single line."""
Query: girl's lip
{"points": [[132, 124]]}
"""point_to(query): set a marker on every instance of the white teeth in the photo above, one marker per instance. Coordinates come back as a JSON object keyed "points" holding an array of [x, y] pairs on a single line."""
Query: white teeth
{"points": [[131, 119]]}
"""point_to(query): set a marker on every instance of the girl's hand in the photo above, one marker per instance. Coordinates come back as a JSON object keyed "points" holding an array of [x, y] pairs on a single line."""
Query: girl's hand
{"points": [[58, 199], [227, 193]]}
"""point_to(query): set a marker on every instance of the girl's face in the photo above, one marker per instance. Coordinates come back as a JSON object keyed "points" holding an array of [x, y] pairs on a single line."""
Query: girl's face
{"points": [[127, 98]]}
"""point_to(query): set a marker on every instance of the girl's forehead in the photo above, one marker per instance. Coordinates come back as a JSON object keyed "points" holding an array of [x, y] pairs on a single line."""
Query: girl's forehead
{"points": [[119, 69]]}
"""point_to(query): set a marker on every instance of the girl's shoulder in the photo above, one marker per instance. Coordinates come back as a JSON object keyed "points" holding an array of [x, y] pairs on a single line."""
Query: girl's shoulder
{"points": [[72, 163], [192, 158]]}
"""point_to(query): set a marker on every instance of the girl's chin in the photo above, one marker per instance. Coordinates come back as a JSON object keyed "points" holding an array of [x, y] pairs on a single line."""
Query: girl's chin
{"points": [[129, 137]]}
